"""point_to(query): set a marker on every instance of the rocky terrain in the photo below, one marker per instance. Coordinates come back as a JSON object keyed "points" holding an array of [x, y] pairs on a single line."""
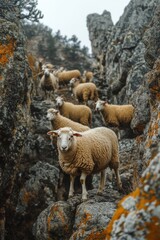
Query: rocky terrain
{"points": [[33, 189]]}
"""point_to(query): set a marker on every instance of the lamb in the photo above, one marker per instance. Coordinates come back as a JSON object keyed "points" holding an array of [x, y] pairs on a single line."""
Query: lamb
{"points": [[65, 76], [115, 115], [77, 113], [87, 153], [48, 83], [58, 121], [84, 91], [87, 76]]}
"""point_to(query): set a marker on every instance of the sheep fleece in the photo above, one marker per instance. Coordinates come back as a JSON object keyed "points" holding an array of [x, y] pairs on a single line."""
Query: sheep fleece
{"points": [[96, 149], [78, 113], [61, 121], [86, 91]]}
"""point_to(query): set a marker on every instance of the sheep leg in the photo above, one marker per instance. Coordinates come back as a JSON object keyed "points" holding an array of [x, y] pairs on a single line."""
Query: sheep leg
{"points": [[71, 188], [83, 182], [118, 179], [102, 181]]}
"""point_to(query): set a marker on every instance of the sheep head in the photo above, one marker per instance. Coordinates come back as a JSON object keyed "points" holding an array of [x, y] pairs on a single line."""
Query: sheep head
{"points": [[73, 82], [46, 72], [59, 101], [100, 105], [52, 113], [65, 137]]}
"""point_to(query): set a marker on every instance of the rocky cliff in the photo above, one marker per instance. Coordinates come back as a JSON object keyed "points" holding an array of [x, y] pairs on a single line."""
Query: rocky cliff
{"points": [[33, 189]]}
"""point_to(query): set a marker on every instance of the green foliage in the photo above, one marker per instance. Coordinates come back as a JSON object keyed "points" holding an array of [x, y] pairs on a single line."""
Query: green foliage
{"points": [[58, 49]]}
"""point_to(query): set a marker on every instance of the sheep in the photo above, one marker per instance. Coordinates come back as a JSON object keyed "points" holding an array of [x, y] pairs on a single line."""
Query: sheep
{"points": [[49, 66], [65, 76], [48, 83], [84, 91], [115, 115], [77, 113], [87, 153], [118, 116], [87, 76], [58, 121]]}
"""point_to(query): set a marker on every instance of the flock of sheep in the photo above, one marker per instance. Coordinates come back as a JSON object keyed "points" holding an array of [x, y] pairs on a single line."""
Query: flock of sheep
{"points": [[83, 150]]}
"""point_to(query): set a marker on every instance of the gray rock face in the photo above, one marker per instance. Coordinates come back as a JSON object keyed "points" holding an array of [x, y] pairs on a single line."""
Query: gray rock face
{"points": [[97, 24], [122, 66], [33, 189], [72, 219]]}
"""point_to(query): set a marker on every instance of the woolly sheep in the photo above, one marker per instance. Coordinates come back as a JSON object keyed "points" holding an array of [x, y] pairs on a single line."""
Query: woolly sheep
{"points": [[77, 113], [65, 76], [58, 121], [84, 91], [86, 153], [48, 83], [87, 76], [115, 115]]}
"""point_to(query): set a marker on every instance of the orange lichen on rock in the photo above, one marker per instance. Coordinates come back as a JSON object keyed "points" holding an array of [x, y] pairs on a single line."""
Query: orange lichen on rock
{"points": [[6, 51], [82, 225], [97, 235], [85, 219], [138, 214], [120, 210], [27, 196], [56, 212]]}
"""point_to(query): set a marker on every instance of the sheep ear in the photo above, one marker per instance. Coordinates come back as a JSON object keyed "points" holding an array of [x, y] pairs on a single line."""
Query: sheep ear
{"points": [[56, 111], [77, 134], [53, 133]]}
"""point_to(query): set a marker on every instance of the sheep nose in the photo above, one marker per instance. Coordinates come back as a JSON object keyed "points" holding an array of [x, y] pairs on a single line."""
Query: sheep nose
{"points": [[64, 148]]}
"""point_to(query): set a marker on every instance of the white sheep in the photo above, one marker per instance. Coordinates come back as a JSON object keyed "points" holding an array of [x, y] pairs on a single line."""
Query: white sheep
{"points": [[84, 91], [58, 121], [48, 83], [86, 153], [115, 115], [77, 113]]}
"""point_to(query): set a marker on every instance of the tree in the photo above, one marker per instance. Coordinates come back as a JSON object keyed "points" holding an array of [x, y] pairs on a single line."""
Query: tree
{"points": [[24, 9]]}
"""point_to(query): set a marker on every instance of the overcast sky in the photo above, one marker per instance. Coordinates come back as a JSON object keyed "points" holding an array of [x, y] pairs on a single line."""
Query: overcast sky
{"points": [[69, 16]]}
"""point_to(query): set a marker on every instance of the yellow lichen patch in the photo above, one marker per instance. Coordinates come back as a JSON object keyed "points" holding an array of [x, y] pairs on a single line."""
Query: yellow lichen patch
{"points": [[85, 219], [56, 212], [6, 51], [96, 235], [153, 131], [83, 223], [118, 213], [50, 217]]}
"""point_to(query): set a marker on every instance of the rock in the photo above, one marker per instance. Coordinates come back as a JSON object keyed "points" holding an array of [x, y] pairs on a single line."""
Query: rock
{"points": [[144, 202]]}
